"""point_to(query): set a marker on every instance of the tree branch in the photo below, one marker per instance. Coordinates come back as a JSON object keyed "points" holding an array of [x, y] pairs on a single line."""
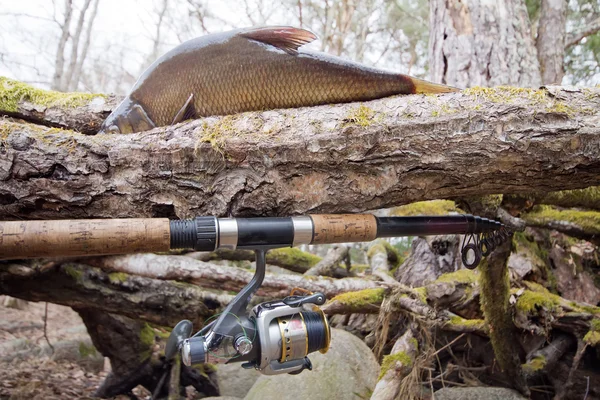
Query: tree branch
{"points": [[340, 158], [576, 37]]}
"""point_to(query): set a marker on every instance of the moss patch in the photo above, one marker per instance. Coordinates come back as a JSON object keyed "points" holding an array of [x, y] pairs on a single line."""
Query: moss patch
{"points": [[468, 323], [215, 133], [117, 277], [587, 197], [529, 302], [536, 364], [532, 97], [389, 361], [589, 221], [432, 207], [292, 256], [73, 272], [147, 341], [86, 351], [362, 116], [13, 92], [592, 338], [361, 298], [466, 276]]}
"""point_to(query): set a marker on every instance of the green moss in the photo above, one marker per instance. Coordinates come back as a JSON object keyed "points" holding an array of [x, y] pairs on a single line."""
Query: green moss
{"points": [[589, 221], [466, 276], [390, 361], [292, 256], [535, 364], [87, 351], [362, 116], [216, 132], [595, 325], [529, 301], [415, 343], [592, 338], [506, 94], [12, 92], [361, 298], [117, 277], [359, 268], [468, 323], [147, 341], [421, 293], [432, 207], [537, 255], [73, 272]]}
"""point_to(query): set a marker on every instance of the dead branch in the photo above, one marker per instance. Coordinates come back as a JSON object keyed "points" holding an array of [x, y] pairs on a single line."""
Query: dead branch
{"points": [[76, 285], [327, 265], [213, 276]]}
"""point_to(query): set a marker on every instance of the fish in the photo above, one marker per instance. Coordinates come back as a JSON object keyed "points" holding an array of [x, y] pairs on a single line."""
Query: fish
{"points": [[250, 69]]}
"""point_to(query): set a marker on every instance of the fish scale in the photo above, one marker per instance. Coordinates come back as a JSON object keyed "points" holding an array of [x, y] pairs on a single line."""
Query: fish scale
{"points": [[250, 70]]}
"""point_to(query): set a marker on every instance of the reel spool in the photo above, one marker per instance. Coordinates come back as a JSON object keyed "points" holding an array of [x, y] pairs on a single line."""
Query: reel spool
{"points": [[275, 337]]}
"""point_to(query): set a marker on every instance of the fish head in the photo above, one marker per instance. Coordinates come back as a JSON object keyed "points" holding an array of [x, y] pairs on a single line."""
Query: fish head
{"points": [[128, 117]]}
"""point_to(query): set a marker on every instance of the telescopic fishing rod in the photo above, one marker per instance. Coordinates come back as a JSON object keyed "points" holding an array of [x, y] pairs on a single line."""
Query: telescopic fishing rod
{"points": [[276, 336]]}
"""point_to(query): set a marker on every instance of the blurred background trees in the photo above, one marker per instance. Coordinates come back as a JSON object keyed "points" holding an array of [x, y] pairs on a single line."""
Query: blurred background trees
{"points": [[103, 45]]}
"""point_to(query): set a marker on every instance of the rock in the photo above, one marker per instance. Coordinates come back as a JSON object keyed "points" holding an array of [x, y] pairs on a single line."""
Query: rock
{"points": [[348, 371], [478, 393], [234, 380]]}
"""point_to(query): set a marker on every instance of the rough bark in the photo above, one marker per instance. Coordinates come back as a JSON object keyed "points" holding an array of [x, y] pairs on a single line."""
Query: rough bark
{"points": [[75, 285], [550, 42], [326, 159], [481, 43]]}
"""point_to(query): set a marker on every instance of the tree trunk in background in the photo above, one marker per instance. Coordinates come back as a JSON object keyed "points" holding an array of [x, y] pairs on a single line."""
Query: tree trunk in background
{"points": [[477, 43], [550, 41]]}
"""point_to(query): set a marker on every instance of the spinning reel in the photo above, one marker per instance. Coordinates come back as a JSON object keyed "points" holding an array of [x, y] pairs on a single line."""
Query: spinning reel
{"points": [[274, 337]]}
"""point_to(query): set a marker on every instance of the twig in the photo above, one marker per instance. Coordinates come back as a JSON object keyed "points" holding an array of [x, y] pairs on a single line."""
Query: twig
{"points": [[587, 388], [45, 328], [449, 344]]}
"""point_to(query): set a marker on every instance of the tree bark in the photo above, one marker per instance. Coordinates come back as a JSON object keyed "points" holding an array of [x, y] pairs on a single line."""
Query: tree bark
{"points": [[320, 159], [481, 43], [550, 41]]}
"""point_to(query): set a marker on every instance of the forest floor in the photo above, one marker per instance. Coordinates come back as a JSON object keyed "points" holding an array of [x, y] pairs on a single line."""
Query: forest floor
{"points": [[72, 370]]}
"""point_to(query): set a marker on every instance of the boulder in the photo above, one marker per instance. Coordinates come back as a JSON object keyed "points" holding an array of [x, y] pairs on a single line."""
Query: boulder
{"points": [[235, 381], [347, 371]]}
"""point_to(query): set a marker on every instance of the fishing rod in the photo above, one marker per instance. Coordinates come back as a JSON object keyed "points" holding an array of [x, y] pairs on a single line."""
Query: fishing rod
{"points": [[276, 336]]}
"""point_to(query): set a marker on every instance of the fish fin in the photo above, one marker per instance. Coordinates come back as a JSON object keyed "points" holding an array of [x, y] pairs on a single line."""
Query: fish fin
{"points": [[285, 38], [186, 112], [139, 120], [422, 86]]}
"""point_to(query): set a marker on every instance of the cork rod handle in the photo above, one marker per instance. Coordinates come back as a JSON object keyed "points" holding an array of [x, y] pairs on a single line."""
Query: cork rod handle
{"points": [[62, 238], [340, 228]]}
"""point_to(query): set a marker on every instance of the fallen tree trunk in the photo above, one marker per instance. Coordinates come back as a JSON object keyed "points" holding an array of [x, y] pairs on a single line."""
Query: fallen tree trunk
{"points": [[81, 112], [340, 158], [76, 285]]}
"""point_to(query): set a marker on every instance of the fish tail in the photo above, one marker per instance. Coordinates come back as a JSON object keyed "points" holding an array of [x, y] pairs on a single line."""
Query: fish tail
{"points": [[422, 86]]}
